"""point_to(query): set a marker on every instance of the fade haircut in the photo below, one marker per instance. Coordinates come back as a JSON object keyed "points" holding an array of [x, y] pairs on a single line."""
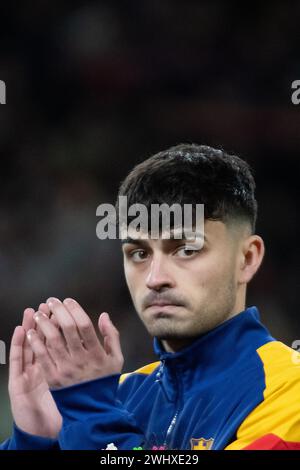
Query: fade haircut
{"points": [[195, 174]]}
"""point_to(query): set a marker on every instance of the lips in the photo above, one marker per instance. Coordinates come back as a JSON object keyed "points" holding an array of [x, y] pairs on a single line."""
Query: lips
{"points": [[163, 300], [163, 303]]}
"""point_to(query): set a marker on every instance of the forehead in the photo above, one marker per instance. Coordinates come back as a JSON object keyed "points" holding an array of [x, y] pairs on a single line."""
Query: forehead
{"points": [[169, 234], [212, 232]]}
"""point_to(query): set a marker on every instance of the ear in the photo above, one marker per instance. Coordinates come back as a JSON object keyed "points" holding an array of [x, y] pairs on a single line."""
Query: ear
{"points": [[252, 253]]}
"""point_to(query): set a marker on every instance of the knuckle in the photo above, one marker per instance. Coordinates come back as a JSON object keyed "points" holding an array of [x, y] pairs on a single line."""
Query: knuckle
{"points": [[76, 347], [55, 343], [42, 355], [53, 336], [66, 371], [80, 365], [69, 327], [55, 381], [85, 325]]}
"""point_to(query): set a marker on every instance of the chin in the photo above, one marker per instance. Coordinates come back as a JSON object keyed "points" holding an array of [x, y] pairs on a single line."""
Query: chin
{"points": [[166, 330]]}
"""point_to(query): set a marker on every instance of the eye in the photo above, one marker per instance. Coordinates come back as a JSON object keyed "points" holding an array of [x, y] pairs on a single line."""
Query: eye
{"points": [[138, 256], [187, 252]]}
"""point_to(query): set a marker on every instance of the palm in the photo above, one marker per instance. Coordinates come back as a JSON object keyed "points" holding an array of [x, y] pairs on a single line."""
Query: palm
{"points": [[30, 382], [33, 407]]}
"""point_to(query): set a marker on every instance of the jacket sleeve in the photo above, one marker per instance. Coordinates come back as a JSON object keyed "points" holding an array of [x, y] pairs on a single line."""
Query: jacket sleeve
{"points": [[275, 423], [21, 440], [94, 418]]}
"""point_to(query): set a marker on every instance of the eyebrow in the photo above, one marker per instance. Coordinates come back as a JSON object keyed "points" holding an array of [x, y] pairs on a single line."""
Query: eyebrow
{"points": [[140, 241], [133, 241]]}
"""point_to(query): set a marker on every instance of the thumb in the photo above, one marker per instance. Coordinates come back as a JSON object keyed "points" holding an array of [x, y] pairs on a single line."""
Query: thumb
{"points": [[110, 335]]}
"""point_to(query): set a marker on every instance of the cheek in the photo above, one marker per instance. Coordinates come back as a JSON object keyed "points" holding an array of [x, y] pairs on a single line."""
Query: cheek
{"points": [[219, 271], [208, 271]]}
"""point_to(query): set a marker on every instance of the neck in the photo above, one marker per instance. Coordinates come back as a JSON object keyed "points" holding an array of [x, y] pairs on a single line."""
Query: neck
{"points": [[173, 345]]}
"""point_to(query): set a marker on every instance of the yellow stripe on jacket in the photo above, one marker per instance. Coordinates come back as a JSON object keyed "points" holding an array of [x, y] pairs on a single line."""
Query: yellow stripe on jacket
{"points": [[147, 370], [279, 413]]}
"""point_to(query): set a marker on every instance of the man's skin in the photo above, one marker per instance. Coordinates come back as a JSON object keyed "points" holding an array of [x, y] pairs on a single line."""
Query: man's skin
{"points": [[33, 407], [209, 285], [179, 292]]}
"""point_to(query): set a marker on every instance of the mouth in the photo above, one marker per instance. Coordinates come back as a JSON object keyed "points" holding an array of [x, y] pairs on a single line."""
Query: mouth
{"points": [[163, 306]]}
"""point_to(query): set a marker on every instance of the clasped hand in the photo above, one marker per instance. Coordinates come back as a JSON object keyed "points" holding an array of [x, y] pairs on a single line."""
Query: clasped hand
{"points": [[67, 347]]}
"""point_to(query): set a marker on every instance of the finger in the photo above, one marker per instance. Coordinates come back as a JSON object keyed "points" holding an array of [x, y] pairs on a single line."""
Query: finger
{"points": [[37, 327], [43, 338], [41, 354], [40, 333], [45, 309], [85, 326], [54, 338], [67, 325], [16, 353], [27, 323], [111, 336]]}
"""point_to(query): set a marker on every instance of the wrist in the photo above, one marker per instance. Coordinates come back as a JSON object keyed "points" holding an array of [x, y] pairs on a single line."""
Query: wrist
{"points": [[22, 440], [34, 422], [75, 401]]}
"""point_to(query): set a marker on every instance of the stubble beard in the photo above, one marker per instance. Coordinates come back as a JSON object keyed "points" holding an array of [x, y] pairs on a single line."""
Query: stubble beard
{"points": [[207, 317]]}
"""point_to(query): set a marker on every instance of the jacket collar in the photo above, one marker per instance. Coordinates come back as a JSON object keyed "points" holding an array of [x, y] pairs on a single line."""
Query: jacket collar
{"points": [[214, 351]]}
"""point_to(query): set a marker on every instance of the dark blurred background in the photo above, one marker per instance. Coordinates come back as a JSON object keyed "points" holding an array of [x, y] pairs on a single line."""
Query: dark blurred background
{"points": [[95, 87]]}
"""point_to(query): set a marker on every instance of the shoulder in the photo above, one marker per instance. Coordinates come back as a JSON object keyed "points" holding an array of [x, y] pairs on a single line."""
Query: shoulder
{"points": [[281, 364], [275, 421]]}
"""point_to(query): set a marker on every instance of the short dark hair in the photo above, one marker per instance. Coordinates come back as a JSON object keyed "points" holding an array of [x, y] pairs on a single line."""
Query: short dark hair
{"points": [[195, 174]]}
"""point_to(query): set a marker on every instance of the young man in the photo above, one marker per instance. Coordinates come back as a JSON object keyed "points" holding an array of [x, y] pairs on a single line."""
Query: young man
{"points": [[221, 381]]}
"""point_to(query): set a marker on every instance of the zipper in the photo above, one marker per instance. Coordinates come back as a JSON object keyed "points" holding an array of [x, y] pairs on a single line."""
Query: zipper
{"points": [[171, 427], [172, 424]]}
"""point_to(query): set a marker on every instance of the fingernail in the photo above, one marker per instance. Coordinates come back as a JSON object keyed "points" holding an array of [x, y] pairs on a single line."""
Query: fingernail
{"points": [[69, 301], [29, 334], [52, 299], [28, 309], [37, 316], [103, 314]]}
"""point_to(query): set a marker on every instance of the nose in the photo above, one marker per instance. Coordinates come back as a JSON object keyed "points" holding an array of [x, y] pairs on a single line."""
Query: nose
{"points": [[159, 275]]}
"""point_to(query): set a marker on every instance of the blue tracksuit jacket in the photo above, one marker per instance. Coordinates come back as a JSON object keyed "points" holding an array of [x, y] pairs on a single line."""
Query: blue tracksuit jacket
{"points": [[235, 387]]}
